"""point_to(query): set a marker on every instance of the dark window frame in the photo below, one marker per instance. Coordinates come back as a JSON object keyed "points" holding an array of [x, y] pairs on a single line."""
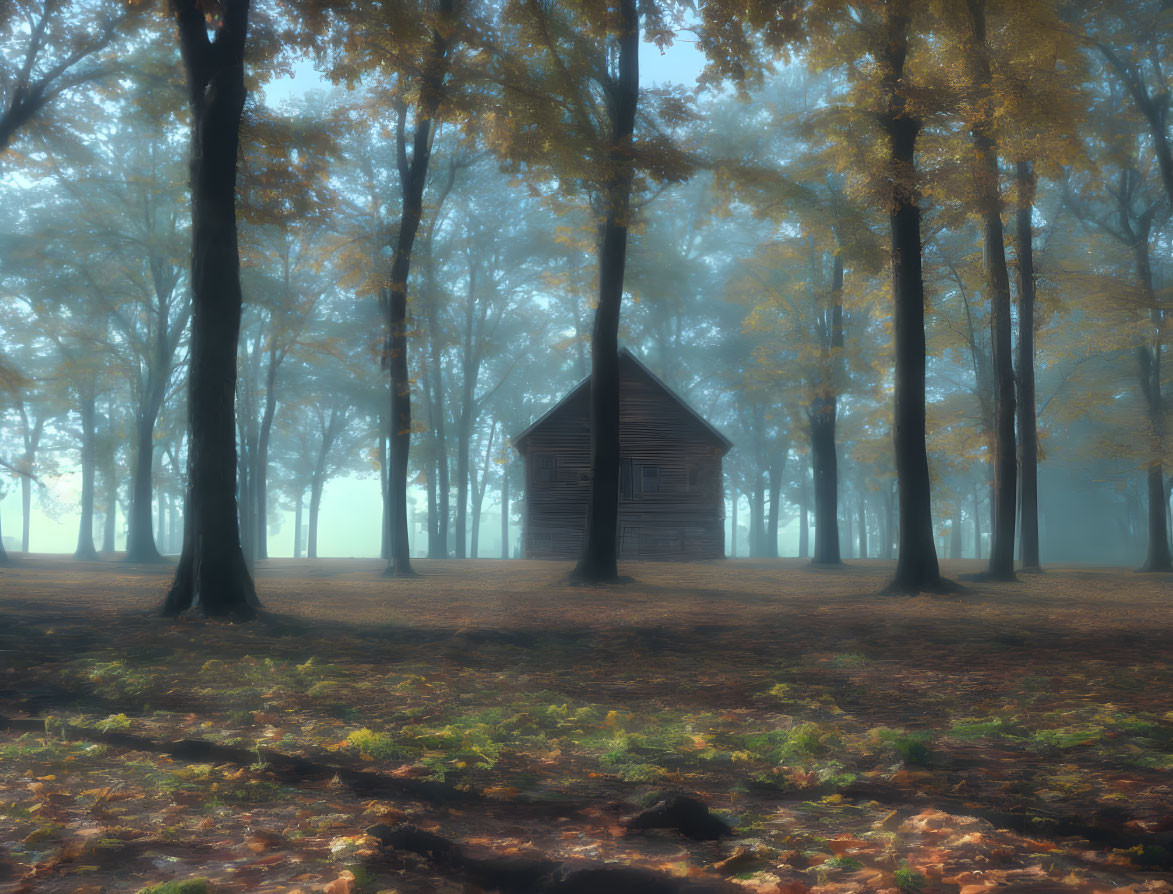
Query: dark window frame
{"points": [[545, 473], [650, 475]]}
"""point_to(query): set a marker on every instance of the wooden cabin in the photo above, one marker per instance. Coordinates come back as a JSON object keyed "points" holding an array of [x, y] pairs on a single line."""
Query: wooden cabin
{"points": [[671, 491]]}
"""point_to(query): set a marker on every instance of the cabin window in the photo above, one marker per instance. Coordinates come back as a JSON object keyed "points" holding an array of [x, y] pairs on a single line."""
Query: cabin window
{"points": [[546, 467], [694, 478], [649, 479], [625, 479]]}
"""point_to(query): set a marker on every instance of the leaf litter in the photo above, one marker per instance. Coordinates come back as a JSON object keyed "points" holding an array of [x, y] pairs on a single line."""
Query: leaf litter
{"points": [[1007, 737]]}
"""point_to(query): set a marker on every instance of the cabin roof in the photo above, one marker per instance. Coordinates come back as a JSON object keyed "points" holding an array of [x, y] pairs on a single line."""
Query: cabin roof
{"points": [[625, 356]]}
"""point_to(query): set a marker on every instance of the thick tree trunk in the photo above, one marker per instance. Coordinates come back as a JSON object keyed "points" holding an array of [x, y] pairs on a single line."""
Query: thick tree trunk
{"points": [[505, 511], [599, 558], [1028, 449], [212, 572], [1158, 558], [85, 532], [804, 531], [916, 562], [825, 473]]}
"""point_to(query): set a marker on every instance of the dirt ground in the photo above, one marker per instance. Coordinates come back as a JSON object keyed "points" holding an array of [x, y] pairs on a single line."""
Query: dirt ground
{"points": [[1009, 736]]}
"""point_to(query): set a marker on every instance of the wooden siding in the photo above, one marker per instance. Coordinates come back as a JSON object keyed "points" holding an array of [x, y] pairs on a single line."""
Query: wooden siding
{"points": [[684, 518]]}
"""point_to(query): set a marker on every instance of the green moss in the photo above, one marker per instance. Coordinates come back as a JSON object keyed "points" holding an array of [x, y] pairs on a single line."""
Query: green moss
{"points": [[911, 748], [378, 746], [847, 864], [909, 881]]}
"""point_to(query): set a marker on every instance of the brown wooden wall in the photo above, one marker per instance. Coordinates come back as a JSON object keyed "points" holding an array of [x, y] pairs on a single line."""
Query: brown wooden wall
{"points": [[685, 519]]}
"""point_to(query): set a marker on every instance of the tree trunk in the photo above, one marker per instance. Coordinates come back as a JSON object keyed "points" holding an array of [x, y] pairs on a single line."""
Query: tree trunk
{"points": [[261, 471], [824, 469], [599, 558], [757, 511], [505, 511], [244, 494], [1158, 558], [989, 203], [110, 521], [804, 532], [863, 526], [385, 491], [916, 563], [439, 524], [315, 506], [479, 493], [173, 544], [846, 539], [212, 572], [733, 546], [776, 469], [26, 508], [469, 370], [161, 518], [4, 559], [85, 532], [297, 525], [413, 175], [955, 534], [462, 474], [140, 541], [824, 408], [886, 547], [977, 523], [1027, 419]]}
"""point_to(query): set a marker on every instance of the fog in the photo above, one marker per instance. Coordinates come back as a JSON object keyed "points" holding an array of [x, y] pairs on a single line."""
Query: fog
{"points": [[758, 288]]}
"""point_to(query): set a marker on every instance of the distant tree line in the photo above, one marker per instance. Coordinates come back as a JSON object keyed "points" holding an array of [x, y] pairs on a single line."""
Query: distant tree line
{"points": [[902, 253]]}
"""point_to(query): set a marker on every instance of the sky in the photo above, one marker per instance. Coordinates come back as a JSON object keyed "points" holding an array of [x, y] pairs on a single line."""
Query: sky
{"points": [[350, 516]]}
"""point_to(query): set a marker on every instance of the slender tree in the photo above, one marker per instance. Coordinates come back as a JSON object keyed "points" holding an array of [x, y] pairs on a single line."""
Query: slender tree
{"points": [[1028, 449], [989, 204]]}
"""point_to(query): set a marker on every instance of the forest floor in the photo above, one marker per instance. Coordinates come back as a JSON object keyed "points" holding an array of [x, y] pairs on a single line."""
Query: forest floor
{"points": [[1010, 736]]}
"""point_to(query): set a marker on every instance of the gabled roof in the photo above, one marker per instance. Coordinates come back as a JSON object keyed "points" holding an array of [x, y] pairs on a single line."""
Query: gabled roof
{"points": [[627, 356]]}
